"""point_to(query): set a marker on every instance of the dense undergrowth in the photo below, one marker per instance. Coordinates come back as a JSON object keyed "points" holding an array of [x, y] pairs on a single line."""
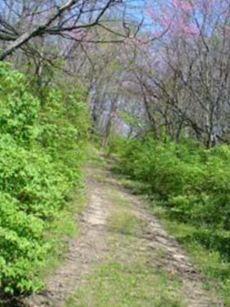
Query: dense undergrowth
{"points": [[42, 149], [190, 189]]}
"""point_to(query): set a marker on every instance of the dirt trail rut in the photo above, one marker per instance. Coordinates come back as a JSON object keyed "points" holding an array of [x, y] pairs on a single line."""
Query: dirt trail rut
{"points": [[91, 248]]}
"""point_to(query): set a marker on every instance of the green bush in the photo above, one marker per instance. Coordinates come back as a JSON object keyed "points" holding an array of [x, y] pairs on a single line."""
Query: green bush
{"points": [[18, 108], [41, 152], [194, 183]]}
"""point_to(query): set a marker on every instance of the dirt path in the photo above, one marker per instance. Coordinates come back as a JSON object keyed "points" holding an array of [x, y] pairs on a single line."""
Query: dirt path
{"points": [[173, 258], [84, 252], [101, 232]]}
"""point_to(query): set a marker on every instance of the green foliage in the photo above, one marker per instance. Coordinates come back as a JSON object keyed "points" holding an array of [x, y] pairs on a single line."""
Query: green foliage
{"points": [[18, 108], [193, 183], [42, 149], [191, 186]]}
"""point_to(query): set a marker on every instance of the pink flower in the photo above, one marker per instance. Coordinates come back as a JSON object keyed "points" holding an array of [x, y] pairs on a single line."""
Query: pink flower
{"points": [[183, 5]]}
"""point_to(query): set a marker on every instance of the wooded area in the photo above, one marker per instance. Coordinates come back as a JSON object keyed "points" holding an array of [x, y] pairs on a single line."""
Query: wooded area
{"points": [[148, 81]]}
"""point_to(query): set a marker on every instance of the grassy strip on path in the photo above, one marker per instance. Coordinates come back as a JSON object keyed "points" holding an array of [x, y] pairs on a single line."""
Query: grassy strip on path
{"points": [[128, 277]]}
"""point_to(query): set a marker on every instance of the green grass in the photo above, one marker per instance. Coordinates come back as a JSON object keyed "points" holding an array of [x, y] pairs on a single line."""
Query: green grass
{"points": [[128, 276], [200, 243], [116, 284], [118, 199], [136, 187], [124, 222], [95, 157], [210, 262]]}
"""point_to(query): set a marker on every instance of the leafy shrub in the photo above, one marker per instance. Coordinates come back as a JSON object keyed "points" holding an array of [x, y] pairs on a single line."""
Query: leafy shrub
{"points": [[18, 108], [42, 149], [194, 183]]}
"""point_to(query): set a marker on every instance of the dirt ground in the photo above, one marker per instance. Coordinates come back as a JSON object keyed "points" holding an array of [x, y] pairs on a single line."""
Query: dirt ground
{"points": [[91, 248]]}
